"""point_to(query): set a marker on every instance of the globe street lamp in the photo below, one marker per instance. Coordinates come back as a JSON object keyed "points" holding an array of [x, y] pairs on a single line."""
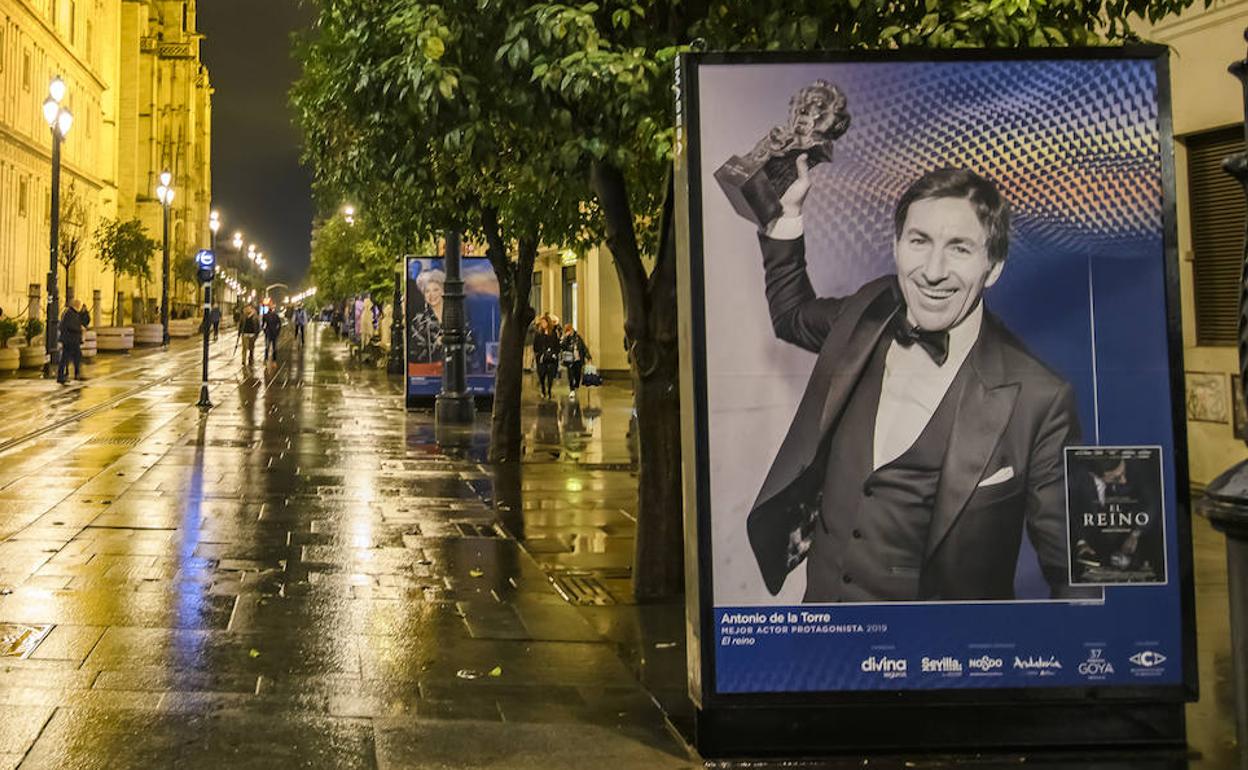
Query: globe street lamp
{"points": [[214, 224], [348, 214], [237, 243], [59, 121], [165, 194]]}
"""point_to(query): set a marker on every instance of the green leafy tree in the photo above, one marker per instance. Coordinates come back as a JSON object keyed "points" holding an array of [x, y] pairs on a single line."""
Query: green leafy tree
{"points": [[405, 109], [71, 236], [609, 67], [347, 260], [526, 123], [185, 276], [125, 249]]}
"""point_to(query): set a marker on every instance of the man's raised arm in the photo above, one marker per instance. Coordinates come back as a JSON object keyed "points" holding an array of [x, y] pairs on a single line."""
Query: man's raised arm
{"points": [[797, 315]]}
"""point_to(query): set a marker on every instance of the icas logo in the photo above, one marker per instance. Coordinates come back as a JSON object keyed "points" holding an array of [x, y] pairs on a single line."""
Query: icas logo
{"points": [[1148, 659]]}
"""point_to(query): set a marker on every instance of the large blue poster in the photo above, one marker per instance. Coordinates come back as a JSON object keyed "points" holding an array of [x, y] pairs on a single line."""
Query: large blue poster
{"points": [[934, 296], [426, 282]]}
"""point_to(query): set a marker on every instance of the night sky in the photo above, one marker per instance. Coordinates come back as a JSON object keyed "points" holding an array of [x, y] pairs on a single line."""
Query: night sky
{"points": [[258, 185]]}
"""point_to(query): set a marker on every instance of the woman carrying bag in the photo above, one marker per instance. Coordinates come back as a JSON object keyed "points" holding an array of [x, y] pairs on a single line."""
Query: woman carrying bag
{"points": [[573, 356]]}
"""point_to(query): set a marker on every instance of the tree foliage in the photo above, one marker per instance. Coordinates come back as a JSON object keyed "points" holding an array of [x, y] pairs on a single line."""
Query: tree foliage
{"points": [[554, 123], [125, 248], [347, 260], [71, 233]]}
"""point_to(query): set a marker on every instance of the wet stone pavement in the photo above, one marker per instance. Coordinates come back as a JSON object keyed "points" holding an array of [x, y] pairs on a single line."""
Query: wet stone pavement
{"points": [[298, 579], [306, 577]]}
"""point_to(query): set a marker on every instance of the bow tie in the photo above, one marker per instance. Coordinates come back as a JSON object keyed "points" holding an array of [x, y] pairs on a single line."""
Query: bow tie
{"points": [[935, 343]]}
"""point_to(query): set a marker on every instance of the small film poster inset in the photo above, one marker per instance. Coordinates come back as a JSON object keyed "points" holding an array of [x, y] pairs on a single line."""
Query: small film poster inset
{"points": [[1115, 515]]}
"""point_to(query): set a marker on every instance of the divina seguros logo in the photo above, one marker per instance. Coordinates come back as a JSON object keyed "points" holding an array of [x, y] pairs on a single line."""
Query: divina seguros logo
{"points": [[889, 668]]}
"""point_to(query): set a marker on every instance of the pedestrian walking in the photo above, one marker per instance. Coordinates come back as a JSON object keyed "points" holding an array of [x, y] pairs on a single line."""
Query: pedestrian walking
{"points": [[215, 317], [546, 355], [301, 323], [74, 321], [272, 324], [248, 330], [573, 356]]}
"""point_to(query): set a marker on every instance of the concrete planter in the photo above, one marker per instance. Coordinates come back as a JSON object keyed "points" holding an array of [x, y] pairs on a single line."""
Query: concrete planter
{"points": [[32, 357], [183, 328], [90, 345], [10, 359], [148, 334], [114, 338]]}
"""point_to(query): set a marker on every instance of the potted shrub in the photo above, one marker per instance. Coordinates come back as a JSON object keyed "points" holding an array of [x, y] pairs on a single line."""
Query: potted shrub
{"points": [[10, 358], [33, 355]]}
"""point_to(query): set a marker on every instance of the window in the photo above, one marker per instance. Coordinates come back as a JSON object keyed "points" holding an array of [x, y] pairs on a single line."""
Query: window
{"points": [[90, 42], [26, 73], [1217, 217], [570, 296], [73, 22], [535, 293], [23, 197], [3, 37]]}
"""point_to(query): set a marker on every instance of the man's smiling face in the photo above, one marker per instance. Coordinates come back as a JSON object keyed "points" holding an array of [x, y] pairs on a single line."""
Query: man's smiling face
{"points": [[942, 262]]}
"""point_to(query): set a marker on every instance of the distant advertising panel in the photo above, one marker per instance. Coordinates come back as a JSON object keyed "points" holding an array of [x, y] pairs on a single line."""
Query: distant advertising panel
{"points": [[940, 297], [426, 283]]}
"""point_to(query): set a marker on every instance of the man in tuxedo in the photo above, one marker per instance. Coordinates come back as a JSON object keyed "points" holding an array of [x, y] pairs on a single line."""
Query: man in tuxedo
{"points": [[928, 436]]}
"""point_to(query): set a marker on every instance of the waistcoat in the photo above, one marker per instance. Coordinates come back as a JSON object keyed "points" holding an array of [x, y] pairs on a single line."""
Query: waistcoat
{"points": [[870, 541]]}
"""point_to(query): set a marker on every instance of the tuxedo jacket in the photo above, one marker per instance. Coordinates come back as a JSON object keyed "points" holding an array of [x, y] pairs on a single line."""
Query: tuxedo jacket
{"points": [[1003, 469]]}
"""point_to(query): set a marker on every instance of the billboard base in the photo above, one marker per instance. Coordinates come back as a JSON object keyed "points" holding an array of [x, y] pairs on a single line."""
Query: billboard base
{"points": [[805, 731]]}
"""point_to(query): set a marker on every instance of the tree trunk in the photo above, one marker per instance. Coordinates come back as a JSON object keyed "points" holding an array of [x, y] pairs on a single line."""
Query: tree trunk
{"points": [[650, 327], [514, 282], [506, 433], [658, 551]]}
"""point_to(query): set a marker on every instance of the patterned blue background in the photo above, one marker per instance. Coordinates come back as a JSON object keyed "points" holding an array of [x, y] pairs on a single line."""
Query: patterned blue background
{"points": [[1075, 146]]}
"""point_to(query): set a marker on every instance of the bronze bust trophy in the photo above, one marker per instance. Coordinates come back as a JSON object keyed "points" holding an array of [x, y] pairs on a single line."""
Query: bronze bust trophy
{"points": [[755, 182]]}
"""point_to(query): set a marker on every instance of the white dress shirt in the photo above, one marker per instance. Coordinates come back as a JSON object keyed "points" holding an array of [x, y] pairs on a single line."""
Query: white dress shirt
{"points": [[914, 386]]}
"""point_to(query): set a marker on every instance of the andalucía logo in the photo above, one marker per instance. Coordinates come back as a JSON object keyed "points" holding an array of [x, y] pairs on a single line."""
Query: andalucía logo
{"points": [[985, 663], [1148, 659], [946, 665], [1096, 666], [1043, 666], [889, 668]]}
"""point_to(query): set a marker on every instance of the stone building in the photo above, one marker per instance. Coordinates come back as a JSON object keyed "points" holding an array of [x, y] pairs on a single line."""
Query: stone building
{"points": [[1208, 111], [141, 102]]}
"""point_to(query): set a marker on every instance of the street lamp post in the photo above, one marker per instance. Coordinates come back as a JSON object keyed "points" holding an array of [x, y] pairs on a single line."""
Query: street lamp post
{"points": [[165, 193], [454, 406], [206, 262], [214, 224], [237, 243], [59, 121]]}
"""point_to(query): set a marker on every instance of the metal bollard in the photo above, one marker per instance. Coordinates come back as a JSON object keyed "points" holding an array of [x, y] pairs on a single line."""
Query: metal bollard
{"points": [[1226, 506]]}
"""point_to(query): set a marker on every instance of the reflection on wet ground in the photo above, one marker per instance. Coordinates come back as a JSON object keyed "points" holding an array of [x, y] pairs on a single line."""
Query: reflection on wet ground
{"points": [[306, 578], [298, 579]]}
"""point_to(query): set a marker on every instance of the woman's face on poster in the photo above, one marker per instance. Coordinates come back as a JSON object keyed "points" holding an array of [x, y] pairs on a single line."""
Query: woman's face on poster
{"points": [[433, 293]]}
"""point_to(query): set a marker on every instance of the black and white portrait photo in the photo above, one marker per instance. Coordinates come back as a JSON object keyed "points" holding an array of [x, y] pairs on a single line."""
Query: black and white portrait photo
{"points": [[928, 437], [918, 292]]}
